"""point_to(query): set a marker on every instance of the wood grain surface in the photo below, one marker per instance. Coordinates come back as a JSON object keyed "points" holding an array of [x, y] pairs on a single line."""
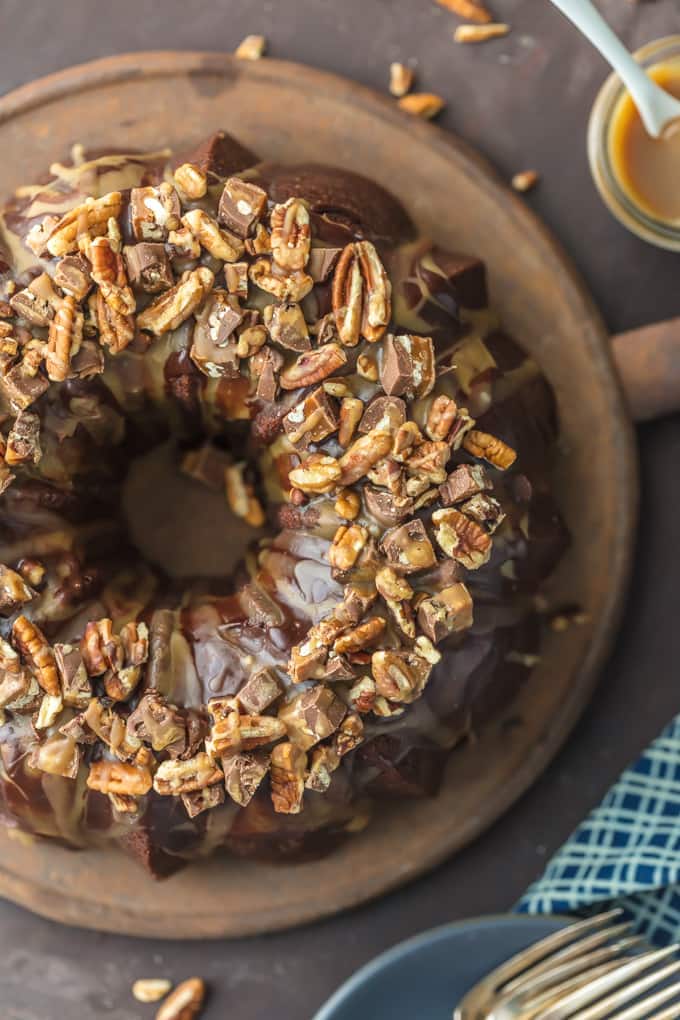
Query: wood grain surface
{"points": [[522, 101]]}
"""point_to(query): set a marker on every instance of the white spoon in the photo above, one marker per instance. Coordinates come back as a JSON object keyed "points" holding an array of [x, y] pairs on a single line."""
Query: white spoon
{"points": [[656, 107]]}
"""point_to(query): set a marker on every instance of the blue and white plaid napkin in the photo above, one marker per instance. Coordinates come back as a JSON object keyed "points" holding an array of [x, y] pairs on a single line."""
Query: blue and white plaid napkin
{"points": [[627, 852]]}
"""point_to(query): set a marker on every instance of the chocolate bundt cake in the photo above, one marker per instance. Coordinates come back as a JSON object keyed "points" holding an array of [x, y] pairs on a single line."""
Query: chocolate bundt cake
{"points": [[342, 383]]}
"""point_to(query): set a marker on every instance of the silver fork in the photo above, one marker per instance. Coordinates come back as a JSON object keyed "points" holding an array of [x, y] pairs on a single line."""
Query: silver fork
{"points": [[587, 971]]}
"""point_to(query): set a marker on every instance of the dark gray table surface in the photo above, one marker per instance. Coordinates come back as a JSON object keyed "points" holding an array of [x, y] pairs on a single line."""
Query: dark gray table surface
{"points": [[523, 101]]}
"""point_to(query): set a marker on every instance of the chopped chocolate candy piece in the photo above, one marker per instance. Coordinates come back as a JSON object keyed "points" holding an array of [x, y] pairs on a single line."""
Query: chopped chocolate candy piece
{"points": [[208, 465], [213, 348], [39, 234], [265, 366], [447, 612], [322, 263], [287, 327], [312, 716], [324, 761], [387, 509], [22, 386], [175, 777], [306, 661], [14, 591], [326, 330], [408, 547], [312, 420], [349, 734], [154, 212], [75, 683], [408, 366], [461, 538], [288, 767], [72, 274], [464, 279], [260, 691], [484, 509], [37, 302], [157, 723], [23, 441], [359, 596], [148, 266], [218, 156], [467, 480], [243, 773], [232, 731], [58, 756], [236, 278], [241, 206], [385, 413], [89, 361], [203, 800], [337, 668], [77, 729]]}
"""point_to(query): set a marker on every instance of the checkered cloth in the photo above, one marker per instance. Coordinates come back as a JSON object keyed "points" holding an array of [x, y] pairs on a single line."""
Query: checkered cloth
{"points": [[627, 852]]}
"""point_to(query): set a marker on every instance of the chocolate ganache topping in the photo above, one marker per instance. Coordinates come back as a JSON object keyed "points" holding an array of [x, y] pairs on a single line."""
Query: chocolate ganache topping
{"points": [[342, 382]]}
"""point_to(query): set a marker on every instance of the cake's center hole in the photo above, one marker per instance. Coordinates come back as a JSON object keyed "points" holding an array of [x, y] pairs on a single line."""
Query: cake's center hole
{"points": [[179, 524]]}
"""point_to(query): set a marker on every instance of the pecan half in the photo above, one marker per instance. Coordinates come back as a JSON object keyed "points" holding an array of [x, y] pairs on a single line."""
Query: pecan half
{"points": [[288, 767], [36, 650], [119, 777], [346, 547], [116, 331], [361, 294], [191, 181], [364, 452], [65, 338], [490, 448], [90, 219], [319, 473], [290, 234], [399, 675], [461, 538], [313, 366], [14, 591], [176, 305], [175, 777], [361, 638], [236, 732]]}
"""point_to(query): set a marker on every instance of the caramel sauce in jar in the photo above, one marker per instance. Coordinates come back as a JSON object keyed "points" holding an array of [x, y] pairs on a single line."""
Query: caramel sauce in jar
{"points": [[648, 169]]}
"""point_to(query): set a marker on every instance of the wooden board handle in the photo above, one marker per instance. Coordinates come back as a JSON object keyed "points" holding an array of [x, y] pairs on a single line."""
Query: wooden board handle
{"points": [[648, 360]]}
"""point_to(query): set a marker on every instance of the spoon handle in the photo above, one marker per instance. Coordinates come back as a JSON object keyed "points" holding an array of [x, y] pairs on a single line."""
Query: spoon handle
{"points": [[593, 26], [648, 360]]}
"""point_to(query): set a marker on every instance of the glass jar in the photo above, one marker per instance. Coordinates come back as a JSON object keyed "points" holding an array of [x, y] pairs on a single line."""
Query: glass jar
{"points": [[640, 222]]}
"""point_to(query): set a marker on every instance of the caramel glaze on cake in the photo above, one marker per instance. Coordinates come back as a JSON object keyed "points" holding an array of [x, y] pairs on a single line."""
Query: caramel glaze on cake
{"points": [[342, 380]]}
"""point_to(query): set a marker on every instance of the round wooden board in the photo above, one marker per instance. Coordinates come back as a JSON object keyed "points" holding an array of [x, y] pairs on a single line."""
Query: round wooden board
{"points": [[292, 113]]}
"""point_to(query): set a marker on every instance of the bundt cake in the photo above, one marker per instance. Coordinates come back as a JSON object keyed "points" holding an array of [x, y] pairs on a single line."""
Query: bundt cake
{"points": [[342, 383]]}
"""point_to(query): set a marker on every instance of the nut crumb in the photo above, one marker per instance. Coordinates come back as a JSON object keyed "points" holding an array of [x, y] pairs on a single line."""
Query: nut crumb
{"points": [[401, 79], [480, 33], [251, 48], [422, 104], [185, 1002], [468, 9], [151, 989], [525, 180]]}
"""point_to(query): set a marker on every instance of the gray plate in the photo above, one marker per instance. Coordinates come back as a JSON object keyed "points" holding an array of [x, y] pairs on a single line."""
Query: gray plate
{"points": [[424, 977]]}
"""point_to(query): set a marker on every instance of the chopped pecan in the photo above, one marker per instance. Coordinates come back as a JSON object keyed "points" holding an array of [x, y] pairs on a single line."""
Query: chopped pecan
{"points": [[250, 340], [361, 294], [347, 504], [319, 473], [471, 10], [351, 411], [36, 650], [108, 272], [14, 591], [399, 675], [484, 509], [349, 734], [90, 219], [288, 768], [392, 585], [428, 462], [312, 716], [490, 448], [37, 302], [480, 33], [259, 244], [154, 212], [367, 367], [51, 707], [422, 104], [148, 266], [447, 612], [198, 801], [313, 366], [461, 538], [401, 79], [219, 243], [362, 694], [241, 496], [236, 732], [126, 665], [525, 180], [346, 547], [307, 661], [116, 331], [109, 727], [75, 683], [100, 648], [191, 180], [173, 307], [58, 756], [408, 547], [214, 345], [182, 244], [184, 1002], [251, 48], [323, 762], [241, 205], [151, 989], [72, 274], [364, 452], [119, 777], [287, 326], [290, 234], [260, 691], [312, 420], [440, 417], [408, 366], [65, 338], [465, 481], [286, 286], [175, 777], [362, 637]]}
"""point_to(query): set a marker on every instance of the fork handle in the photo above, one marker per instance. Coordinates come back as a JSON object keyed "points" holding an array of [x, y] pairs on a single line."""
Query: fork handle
{"points": [[648, 360]]}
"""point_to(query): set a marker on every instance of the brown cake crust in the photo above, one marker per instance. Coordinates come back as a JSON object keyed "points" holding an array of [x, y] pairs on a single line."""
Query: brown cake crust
{"points": [[291, 312]]}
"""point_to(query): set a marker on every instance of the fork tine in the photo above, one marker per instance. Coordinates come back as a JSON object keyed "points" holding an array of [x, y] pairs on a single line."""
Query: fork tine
{"points": [[539, 1006], [575, 951], [550, 944], [595, 989], [628, 993], [643, 1009]]}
